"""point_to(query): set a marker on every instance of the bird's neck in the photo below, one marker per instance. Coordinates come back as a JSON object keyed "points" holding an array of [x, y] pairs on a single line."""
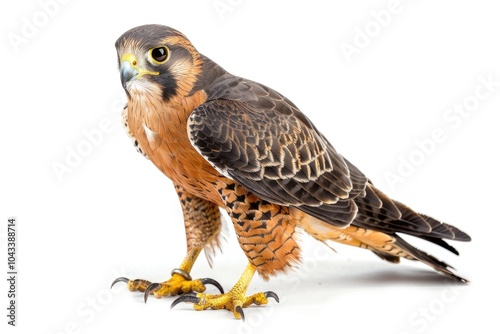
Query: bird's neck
{"points": [[210, 72]]}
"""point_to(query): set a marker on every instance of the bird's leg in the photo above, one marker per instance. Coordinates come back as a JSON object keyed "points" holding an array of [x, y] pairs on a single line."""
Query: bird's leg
{"points": [[234, 300], [203, 225], [266, 234]]}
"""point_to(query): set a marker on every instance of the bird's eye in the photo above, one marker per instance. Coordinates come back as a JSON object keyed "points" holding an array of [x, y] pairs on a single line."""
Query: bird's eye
{"points": [[159, 55]]}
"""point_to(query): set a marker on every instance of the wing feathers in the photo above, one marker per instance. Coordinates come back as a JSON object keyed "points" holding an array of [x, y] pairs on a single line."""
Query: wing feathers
{"points": [[261, 148], [260, 139]]}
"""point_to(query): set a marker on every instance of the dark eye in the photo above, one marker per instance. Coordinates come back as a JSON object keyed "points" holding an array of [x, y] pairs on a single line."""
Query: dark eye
{"points": [[160, 54]]}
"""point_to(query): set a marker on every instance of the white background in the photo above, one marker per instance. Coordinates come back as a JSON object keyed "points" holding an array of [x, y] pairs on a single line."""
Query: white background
{"points": [[115, 215]]}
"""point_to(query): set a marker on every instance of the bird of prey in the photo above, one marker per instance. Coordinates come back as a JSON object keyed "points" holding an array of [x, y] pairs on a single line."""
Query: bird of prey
{"points": [[232, 143]]}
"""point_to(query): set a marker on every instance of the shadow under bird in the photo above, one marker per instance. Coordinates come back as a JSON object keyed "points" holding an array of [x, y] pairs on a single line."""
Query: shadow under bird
{"points": [[231, 143]]}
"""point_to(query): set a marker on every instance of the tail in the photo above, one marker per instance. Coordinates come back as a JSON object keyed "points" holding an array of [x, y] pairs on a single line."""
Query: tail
{"points": [[378, 226], [403, 249], [384, 218]]}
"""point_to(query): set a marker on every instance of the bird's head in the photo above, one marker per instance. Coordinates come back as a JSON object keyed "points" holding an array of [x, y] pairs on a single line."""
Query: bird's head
{"points": [[159, 59]]}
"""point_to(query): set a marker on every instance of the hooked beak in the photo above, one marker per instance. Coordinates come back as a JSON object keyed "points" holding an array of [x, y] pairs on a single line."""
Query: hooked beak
{"points": [[129, 70]]}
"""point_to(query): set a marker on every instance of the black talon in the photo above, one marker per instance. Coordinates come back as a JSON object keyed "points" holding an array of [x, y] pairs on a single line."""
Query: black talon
{"points": [[188, 298], [272, 295], [119, 279], [206, 281], [239, 310], [148, 290]]}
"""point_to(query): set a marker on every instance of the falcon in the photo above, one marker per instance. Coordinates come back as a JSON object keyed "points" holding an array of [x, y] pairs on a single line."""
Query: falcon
{"points": [[234, 144]]}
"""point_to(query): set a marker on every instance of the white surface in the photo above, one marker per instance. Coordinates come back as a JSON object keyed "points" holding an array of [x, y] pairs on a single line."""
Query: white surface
{"points": [[115, 214]]}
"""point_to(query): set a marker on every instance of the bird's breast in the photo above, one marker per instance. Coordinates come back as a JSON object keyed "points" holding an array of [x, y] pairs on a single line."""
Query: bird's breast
{"points": [[158, 128]]}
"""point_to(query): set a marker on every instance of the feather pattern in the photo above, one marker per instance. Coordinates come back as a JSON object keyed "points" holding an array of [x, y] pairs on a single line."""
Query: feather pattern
{"points": [[262, 140]]}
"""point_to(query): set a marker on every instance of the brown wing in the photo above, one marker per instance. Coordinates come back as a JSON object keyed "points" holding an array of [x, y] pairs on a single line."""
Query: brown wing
{"points": [[276, 156], [259, 138]]}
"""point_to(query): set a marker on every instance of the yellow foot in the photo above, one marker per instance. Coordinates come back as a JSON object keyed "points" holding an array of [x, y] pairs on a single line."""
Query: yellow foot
{"points": [[232, 301], [179, 283]]}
